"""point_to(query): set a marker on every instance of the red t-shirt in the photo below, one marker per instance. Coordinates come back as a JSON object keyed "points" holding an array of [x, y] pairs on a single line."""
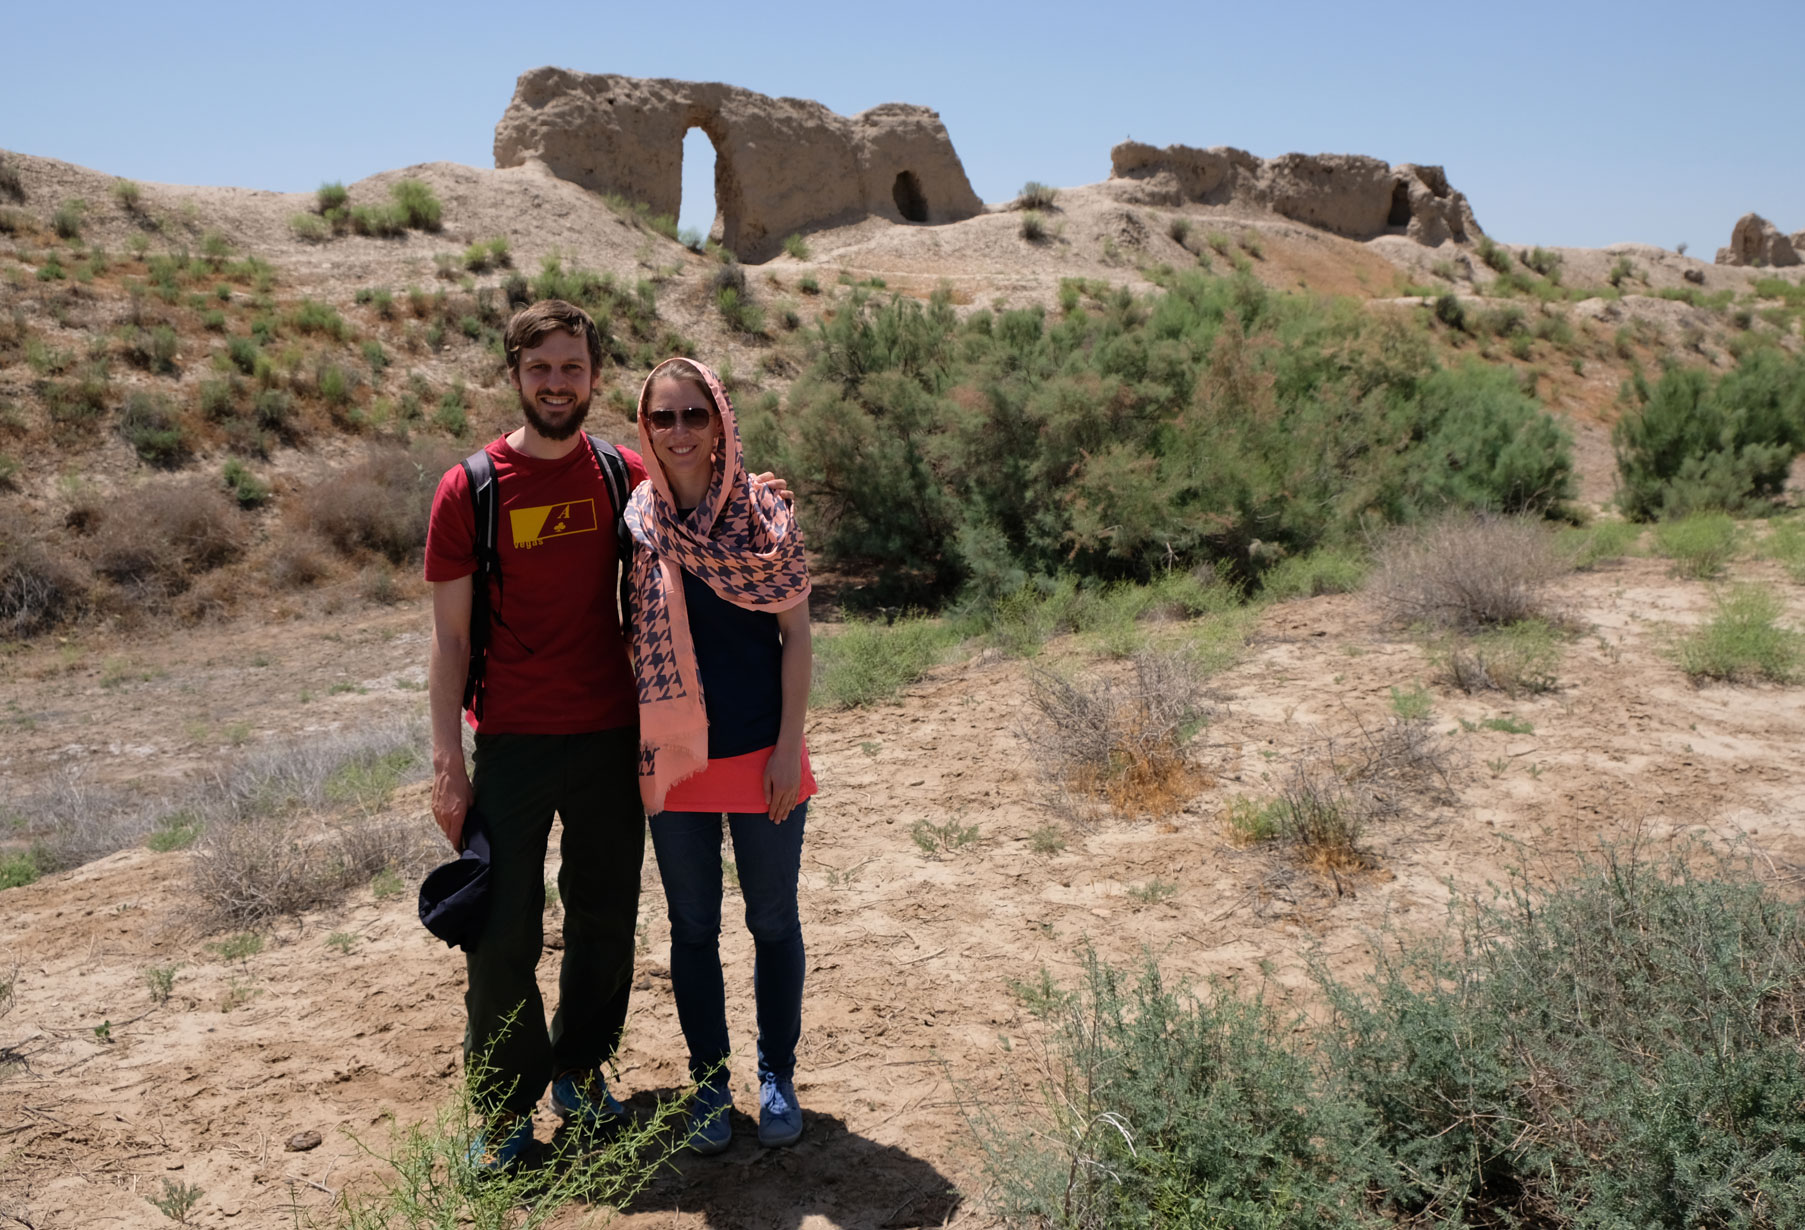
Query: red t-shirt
{"points": [[557, 663]]}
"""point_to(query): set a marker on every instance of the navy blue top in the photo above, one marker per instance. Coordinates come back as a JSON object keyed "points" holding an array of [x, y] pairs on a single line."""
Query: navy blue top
{"points": [[739, 654]]}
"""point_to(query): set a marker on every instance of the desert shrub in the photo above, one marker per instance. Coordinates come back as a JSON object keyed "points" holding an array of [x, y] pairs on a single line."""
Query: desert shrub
{"points": [[739, 312], [1451, 311], [1544, 262], [1165, 1108], [1492, 448], [1036, 196], [1327, 570], [1691, 442], [1179, 228], [38, 591], [150, 424], [167, 535], [1699, 545], [1517, 658], [377, 504], [78, 403], [1034, 226], [1466, 572], [1743, 640], [416, 204], [333, 383], [1496, 258], [128, 195], [17, 869], [153, 349], [1621, 271], [453, 413], [378, 221], [244, 487], [312, 316], [796, 246], [1606, 1051], [297, 560], [12, 185], [1619, 1049], [808, 284], [1120, 741], [331, 196], [309, 227], [867, 662], [1142, 435], [67, 220]]}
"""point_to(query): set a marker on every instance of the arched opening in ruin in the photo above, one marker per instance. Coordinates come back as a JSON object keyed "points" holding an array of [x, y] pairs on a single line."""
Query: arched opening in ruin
{"points": [[910, 201], [1400, 204], [700, 211]]}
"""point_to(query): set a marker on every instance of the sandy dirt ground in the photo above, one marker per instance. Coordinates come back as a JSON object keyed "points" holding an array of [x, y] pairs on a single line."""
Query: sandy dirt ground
{"points": [[910, 1019], [348, 1022]]}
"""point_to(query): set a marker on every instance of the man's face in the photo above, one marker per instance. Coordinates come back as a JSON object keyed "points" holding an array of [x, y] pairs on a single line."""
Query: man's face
{"points": [[555, 383]]}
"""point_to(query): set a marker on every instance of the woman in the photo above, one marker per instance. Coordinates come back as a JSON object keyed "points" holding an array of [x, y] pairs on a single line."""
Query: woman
{"points": [[720, 633]]}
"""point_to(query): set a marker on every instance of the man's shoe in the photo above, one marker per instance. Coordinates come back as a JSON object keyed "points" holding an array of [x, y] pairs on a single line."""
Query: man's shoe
{"points": [[710, 1124], [582, 1095], [779, 1118], [501, 1142]]}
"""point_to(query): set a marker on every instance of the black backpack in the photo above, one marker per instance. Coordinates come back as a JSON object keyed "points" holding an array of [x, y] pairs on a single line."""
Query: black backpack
{"points": [[479, 471]]}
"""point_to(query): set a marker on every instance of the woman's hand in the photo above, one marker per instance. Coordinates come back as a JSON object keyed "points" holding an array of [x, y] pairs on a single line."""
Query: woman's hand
{"points": [[783, 781]]}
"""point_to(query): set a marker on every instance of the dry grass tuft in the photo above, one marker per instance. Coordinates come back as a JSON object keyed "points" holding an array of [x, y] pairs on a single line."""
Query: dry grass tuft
{"points": [[1464, 573], [37, 590], [1339, 787], [380, 504], [1121, 742], [166, 536], [288, 828]]}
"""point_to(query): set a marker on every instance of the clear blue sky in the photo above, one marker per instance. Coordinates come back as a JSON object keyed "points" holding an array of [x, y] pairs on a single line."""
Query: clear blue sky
{"points": [[1574, 123]]}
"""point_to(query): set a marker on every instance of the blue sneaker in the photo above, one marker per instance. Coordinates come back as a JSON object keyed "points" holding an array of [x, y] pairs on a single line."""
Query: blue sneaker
{"points": [[583, 1095], [779, 1118], [502, 1141], [710, 1123]]}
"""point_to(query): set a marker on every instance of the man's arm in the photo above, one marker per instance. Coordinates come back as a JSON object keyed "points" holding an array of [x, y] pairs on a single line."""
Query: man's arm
{"points": [[448, 664], [775, 485]]}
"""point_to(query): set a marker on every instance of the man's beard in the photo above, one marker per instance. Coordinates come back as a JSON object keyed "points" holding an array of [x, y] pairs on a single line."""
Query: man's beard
{"points": [[579, 410]]}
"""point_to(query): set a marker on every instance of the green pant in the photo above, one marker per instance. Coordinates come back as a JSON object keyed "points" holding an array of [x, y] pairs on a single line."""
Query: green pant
{"points": [[591, 782]]}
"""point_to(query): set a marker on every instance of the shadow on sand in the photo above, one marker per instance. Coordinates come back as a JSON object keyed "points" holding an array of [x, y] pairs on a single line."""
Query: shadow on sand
{"points": [[831, 1173]]}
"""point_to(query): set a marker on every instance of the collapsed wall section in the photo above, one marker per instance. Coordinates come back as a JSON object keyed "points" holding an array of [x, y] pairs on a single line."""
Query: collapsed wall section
{"points": [[1349, 194], [782, 165]]}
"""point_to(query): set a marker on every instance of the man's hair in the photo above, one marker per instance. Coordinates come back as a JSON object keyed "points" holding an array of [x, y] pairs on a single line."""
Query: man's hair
{"points": [[530, 325]]}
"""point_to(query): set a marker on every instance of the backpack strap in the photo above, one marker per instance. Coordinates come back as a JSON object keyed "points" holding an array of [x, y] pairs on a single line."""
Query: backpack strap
{"points": [[619, 484], [485, 499]]}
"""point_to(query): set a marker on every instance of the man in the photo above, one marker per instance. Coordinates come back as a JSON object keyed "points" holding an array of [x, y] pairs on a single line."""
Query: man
{"points": [[558, 733]]}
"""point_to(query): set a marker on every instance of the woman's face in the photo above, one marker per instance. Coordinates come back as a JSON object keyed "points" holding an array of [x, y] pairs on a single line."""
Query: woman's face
{"points": [[685, 451]]}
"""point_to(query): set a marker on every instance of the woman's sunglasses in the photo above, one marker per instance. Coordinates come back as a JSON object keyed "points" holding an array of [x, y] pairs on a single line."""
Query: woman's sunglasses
{"points": [[694, 417]]}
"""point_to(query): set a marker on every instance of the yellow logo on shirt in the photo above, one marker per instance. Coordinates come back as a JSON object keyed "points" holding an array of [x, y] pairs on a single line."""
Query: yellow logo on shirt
{"points": [[532, 526]]}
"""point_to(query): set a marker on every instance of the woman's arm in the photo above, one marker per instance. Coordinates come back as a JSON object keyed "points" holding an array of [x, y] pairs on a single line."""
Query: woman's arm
{"points": [[783, 772]]}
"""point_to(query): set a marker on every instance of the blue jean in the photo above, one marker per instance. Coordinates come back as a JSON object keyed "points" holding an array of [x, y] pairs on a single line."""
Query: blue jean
{"points": [[769, 859]]}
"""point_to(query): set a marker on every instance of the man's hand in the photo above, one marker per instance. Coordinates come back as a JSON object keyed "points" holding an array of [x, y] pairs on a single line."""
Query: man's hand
{"points": [[451, 798], [776, 486]]}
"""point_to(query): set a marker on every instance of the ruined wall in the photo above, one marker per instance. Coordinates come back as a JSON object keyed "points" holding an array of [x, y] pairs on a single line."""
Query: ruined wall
{"points": [[1758, 242], [1348, 194], [782, 165]]}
